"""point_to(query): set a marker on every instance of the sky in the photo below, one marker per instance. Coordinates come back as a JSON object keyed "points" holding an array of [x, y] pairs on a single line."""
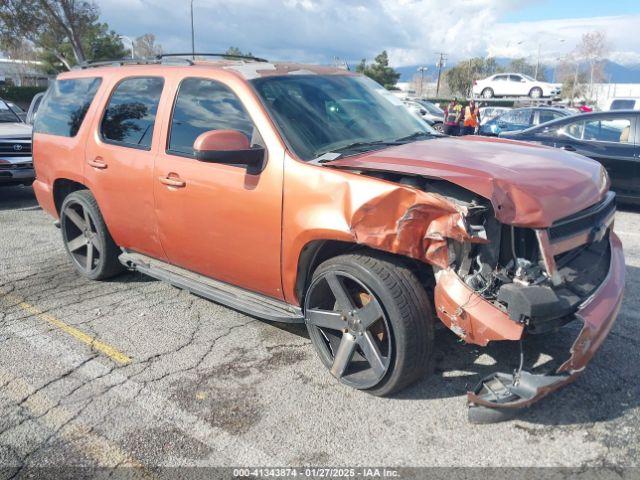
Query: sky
{"points": [[412, 31]]}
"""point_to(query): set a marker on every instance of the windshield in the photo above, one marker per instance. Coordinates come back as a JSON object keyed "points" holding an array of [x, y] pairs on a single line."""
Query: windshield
{"points": [[319, 114], [6, 114]]}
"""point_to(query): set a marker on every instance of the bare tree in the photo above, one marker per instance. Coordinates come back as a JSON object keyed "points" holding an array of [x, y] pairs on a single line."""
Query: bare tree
{"points": [[592, 50], [145, 46], [25, 60], [50, 25]]}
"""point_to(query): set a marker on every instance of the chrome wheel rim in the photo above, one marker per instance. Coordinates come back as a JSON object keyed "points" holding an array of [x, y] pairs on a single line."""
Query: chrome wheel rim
{"points": [[349, 329], [81, 237]]}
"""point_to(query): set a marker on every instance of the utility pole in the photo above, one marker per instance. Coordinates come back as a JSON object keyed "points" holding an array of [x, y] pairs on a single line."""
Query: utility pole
{"points": [[537, 63], [440, 65], [421, 70], [193, 37]]}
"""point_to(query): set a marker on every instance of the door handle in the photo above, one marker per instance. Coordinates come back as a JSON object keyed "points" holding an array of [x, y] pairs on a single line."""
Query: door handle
{"points": [[97, 162], [568, 148], [172, 181]]}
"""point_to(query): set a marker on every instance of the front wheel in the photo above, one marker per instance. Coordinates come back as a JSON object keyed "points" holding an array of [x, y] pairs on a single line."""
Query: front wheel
{"points": [[438, 127], [487, 93], [370, 321], [86, 238], [535, 92]]}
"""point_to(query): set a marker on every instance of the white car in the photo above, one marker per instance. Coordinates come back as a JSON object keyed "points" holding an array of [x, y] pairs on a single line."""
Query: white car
{"points": [[514, 85], [16, 165]]}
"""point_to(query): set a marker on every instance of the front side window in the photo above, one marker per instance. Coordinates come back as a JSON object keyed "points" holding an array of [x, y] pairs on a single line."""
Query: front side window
{"points": [[608, 130], [203, 105], [65, 105], [515, 78], [131, 112], [623, 104], [320, 114]]}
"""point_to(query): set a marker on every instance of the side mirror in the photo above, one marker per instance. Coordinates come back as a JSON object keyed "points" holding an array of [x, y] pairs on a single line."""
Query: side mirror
{"points": [[423, 111], [230, 147]]}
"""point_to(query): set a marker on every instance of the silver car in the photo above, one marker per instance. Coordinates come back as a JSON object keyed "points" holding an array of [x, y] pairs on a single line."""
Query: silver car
{"points": [[16, 165]]}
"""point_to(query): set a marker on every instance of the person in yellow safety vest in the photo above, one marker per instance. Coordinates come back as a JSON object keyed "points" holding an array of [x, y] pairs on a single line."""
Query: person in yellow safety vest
{"points": [[470, 119], [452, 117]]}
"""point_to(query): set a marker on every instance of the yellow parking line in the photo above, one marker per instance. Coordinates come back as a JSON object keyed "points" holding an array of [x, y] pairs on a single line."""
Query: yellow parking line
{"points": [[102, 347]]}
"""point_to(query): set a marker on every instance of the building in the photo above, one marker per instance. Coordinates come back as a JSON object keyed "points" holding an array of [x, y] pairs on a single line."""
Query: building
{"points": [[22, 73]]}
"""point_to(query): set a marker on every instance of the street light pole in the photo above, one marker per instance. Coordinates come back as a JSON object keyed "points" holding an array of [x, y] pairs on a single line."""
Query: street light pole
{"points": [[421, 70], [193, 37], [124, 37], [440, 64]]}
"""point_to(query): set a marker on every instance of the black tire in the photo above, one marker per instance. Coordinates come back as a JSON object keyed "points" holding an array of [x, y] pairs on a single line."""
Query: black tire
{"points": [[535, 92], [97, 258], [487, 93], [406, 311]]}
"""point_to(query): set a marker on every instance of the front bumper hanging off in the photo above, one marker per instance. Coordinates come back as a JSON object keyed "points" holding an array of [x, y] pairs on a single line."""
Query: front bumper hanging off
{"points": [[500, 395]]}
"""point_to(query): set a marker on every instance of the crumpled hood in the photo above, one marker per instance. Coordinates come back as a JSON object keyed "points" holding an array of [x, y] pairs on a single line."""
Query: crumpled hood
{"points": [[528, 185], [14, 130]]}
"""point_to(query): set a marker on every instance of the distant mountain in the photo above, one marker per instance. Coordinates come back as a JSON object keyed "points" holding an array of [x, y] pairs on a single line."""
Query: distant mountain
{"points": [[615, 72]]}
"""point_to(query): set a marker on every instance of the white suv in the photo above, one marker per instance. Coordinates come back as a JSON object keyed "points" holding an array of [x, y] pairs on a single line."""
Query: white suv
{"points": [[514, 85], [16, 165]]}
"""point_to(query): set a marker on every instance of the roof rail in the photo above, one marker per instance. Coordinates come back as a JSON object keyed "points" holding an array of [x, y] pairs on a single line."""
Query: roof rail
{"points": [[125, 61], [222, 55]]}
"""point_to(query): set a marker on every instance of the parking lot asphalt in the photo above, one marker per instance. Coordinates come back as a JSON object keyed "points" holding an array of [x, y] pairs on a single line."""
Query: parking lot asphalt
{"points": [[133, 371]]}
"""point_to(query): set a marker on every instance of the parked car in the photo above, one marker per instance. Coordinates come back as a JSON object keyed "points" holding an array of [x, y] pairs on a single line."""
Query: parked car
{"points": [[521, 119], [624, 104], [611, 138], [431, 114], [16, 167], [309, 194], [33, 107], [487, 113], [20, 113], [514, 85]]}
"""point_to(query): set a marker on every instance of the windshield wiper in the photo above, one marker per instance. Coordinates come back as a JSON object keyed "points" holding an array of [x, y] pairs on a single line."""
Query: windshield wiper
{"points": [[415, 135], [336, 153]]}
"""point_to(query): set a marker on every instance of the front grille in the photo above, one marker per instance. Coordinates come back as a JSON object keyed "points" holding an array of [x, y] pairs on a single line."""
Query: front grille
{"points": [[584, 221], [15, 147], [16, 166]]}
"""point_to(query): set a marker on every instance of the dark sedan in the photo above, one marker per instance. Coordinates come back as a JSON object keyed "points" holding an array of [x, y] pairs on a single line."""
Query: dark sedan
{"points": [[611, 138], [521, 119]]}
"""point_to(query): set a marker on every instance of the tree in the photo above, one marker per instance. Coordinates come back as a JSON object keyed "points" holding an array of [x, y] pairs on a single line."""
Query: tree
{"points": [[592, 50], [231, 51], [379, 70], [54, 26], [520, 65], [460, 78], [145, 46], [572, 76]]}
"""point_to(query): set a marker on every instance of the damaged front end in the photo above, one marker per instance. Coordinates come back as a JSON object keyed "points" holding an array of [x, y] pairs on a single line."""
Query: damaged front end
{"points": [[496, 281], [528, 281]]}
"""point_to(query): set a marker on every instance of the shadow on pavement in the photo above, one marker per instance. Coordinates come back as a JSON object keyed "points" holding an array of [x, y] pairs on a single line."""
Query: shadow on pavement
{"points": [[17, 198]]}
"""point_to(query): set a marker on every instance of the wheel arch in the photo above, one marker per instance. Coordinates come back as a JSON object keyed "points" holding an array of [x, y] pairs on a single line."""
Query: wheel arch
{"points": [[62, 187]]}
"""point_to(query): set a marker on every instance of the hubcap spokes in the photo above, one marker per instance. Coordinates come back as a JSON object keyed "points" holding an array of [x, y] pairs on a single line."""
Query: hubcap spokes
{"points": [[81, 237], [352, 327]]}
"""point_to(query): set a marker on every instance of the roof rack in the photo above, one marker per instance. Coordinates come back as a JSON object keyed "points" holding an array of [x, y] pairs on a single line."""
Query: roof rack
{"points": [[125, 61], [222, 55]]}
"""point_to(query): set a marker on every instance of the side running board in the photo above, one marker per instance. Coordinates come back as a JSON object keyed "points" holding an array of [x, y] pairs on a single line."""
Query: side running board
{"points": [[234, 297]]}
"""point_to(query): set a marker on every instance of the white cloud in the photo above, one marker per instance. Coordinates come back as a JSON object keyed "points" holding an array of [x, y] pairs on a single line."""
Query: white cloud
{"points": [[316, 30]]}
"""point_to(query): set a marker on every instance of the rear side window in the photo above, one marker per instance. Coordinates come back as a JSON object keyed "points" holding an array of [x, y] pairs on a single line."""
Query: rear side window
{"points": [[65, 105], [203, 105], [547, 116], [131, 112], [623, 104]]}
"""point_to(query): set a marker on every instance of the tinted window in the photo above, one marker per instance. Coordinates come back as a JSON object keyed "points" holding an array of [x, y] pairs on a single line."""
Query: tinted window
{"points": [[500, 77], [546, 116], [64, 106], [623, 104], [204, 105], [608, 130], [131, 113], [515, 78], [519, 117]]}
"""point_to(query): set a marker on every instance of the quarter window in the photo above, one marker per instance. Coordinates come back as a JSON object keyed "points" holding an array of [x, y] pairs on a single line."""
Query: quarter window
{"points": [[203, 105], [131, 112], [65, 105]]}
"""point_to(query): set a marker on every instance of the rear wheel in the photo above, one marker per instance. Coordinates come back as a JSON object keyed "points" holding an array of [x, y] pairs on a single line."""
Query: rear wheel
{"points": [[487, 93], [86, 238], [370, 321]]}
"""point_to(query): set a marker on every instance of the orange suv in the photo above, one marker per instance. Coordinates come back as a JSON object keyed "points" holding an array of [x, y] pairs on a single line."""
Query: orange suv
{"points": [[300, 193]]}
